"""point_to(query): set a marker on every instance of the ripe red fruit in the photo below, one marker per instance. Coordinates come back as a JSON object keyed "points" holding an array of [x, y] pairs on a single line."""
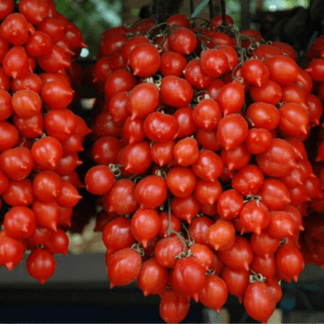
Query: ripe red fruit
{"points": [[232, 131], [176, 92], [99, 179], [151, 191], [47, 151], [182, 40], [58, 242], [11, 251], [214, 62], [214, 294], [173, 307], [153, 278], [117, 234], [34, 12], [20, 222], [17, 163], [145, 225], [15, 29], [259, 302], [40, 265], [123, 267], [239, 255], [189, 277], [26, 103], [142, 100], [16, 63], [144, 60], [236, 281]]}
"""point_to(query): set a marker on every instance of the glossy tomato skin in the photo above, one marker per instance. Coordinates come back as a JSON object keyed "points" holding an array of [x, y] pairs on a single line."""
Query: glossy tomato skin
{"points": [[173, 307], [258, 301], [20, 222], [290, 261], [236, 281], [221, 235], [11, 251], [145, 225], [114, 200], [123, 267], [239, 256], [153, 278], [214, 294], [17, 163], [167, 249], [188, 277], [175, 91], [41, 265], [117, 234], [144, 60]]}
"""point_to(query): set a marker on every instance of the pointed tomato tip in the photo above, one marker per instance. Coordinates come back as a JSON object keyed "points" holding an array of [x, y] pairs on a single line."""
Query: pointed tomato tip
{"points": [[295, 278], [231, 166], [84, 45], [211, 201], [195, 297], [111, 286], [216, 247], [259, 82], [53, 226], [240, 299], [301, 78], [14, 74], [52, 163], [144, 243], [257, 231], [9, 265]]}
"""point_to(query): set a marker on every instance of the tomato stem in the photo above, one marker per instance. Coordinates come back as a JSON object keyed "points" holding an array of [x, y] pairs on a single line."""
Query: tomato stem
{"points": [[137, 248], [189, 239], [171, 230], [256, 277], [251, 197], [204, 43], [115, 169]]}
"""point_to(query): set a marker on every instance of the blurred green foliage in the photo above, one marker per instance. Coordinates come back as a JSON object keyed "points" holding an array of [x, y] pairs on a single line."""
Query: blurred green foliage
{"points": [[93, 17]]}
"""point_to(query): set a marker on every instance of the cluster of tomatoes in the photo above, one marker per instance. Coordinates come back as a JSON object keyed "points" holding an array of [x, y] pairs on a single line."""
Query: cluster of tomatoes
{"points": [[202, 165], [40, 137], [206, 146], [312, 239]]}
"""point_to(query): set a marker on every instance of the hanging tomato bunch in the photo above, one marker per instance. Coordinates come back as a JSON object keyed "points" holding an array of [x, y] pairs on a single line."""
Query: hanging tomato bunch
{"points": [[312, 240], [206, 152], [202, 166], [40, 136]]}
